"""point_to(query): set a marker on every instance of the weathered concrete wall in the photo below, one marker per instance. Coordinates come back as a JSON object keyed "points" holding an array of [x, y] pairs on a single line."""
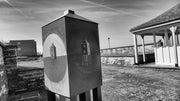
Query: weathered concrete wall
{"points": [[125, 60], [124, 56], [3, 84], [120, 61]]}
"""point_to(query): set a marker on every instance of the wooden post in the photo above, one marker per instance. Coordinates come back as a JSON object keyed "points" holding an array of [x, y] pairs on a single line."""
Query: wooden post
{"points": [[166, 38], [143, 49], [177, 38], [88, 96], [74, 98], [85, 96], [163, 49], [135, 49], [154, 38], [51, 96], [173, 30], [155, 48], [82, 97], [62, 98], [97, 94]]}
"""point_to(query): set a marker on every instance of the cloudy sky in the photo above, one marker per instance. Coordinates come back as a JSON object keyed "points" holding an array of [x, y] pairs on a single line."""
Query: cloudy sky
{"points": [[23, 19]]}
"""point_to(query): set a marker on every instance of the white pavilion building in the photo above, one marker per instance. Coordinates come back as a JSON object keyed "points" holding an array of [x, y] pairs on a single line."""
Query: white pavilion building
{"points": [[167, 26]]}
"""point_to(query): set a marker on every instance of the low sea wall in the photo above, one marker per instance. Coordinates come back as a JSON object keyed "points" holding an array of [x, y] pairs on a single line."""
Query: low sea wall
{"points": [[119, 61], [126, 60], [124, 56]]}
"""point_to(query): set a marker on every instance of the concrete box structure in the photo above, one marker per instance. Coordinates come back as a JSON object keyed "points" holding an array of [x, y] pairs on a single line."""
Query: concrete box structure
{"points": [[71, 55], [25, 47]]}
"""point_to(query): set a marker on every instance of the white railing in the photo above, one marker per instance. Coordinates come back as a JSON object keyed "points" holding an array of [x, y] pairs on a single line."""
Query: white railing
{"points": [[165, 55]]}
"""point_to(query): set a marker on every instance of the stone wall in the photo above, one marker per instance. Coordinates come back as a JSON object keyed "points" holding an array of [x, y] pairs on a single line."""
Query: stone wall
{"points": [[22, 81], [3, 84]]}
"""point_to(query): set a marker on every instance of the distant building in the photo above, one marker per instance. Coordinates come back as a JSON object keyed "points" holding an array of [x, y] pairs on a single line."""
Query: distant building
{"points": [[25, 47]]}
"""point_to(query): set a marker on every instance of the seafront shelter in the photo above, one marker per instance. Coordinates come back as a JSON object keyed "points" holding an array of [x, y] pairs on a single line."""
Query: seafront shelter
{"points": [[166, 26]]}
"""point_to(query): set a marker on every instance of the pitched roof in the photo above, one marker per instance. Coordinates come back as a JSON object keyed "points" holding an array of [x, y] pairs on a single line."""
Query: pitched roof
{"points": [[75, 16], [168, 16], [71, 14]]}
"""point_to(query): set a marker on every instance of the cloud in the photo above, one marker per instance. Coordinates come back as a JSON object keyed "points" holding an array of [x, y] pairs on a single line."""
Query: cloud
{"points": [[113, 9], [114, 16], [11, 5], [4, 4]]}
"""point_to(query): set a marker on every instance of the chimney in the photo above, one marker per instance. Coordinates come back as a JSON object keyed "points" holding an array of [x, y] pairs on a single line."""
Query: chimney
{"points": [[69, 11]]}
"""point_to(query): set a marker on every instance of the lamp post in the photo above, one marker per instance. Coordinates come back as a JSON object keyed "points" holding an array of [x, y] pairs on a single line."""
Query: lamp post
{"points": [[109, 41]]}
